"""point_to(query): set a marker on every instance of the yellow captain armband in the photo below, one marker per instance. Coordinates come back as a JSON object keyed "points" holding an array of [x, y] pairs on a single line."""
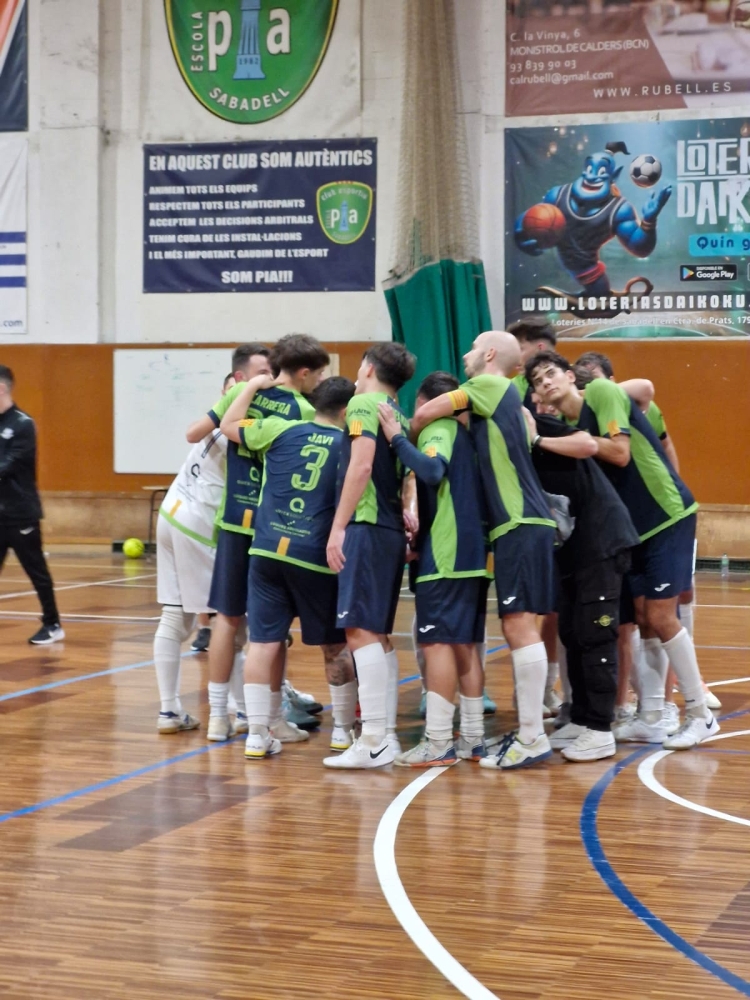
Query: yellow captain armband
{"points": [[430, 451], [459, 399], [246, 423], [355, 428], [613, 428]]}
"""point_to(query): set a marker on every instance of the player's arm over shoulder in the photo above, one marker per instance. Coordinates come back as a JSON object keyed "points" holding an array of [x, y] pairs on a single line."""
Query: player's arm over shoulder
{"points": [[611, 406]]}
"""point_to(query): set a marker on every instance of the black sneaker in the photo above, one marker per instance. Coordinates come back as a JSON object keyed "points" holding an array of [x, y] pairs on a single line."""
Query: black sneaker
{"points": [[46, 635], [202, 640]]}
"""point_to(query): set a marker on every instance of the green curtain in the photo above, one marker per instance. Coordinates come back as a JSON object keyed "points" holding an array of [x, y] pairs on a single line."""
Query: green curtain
{"points": [[437, 312]]}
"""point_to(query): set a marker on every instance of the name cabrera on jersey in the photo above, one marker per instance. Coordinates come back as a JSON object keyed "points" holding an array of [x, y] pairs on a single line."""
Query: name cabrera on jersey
{"points": [[649, 487], [298, 495], [196, 491], [512, 489], [245, 467], [380, 503], [451, 541]]}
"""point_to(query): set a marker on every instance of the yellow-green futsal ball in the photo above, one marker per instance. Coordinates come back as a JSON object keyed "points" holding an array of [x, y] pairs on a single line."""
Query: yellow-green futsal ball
{"points": [[133, 548]]}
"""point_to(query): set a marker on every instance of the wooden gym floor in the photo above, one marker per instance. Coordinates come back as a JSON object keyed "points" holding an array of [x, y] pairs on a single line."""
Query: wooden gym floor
{"points": [[139, 866]]}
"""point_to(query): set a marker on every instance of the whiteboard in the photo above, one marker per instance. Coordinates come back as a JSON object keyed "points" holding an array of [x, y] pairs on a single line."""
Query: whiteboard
{"points": [[157, 394]]}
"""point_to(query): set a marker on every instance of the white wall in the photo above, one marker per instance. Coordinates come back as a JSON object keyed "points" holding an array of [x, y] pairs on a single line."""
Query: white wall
{"points": [[103, 82]]}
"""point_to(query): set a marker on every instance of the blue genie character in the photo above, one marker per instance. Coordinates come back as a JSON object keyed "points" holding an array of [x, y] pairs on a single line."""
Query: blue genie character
{"points": [[594, 212]]}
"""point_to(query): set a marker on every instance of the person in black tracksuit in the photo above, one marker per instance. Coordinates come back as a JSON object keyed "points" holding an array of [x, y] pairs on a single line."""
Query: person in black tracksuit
{"points": [[591, 565], [21, 509]]}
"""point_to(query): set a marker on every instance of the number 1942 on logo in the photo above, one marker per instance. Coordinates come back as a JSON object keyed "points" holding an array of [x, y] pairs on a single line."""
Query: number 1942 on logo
{"points": [[249, 60]]}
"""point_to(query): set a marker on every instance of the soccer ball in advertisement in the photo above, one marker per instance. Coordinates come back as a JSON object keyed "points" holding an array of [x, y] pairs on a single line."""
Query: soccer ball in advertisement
{"points": [[645, 170]]}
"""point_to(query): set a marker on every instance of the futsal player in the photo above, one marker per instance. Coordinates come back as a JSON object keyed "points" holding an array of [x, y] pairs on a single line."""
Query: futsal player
{"points": [[450, 579], [185, 552], [663, 512], [21, 508], [366, 547], [591, 564], [289, 575], [522, 531], [298, 362]]}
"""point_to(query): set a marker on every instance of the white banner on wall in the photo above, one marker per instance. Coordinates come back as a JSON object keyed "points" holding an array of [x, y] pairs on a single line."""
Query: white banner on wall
{"points": [[13, 157]]}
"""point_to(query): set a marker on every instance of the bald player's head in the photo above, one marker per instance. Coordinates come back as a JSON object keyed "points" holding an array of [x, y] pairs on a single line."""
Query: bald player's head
{"points": [[494, 352]]}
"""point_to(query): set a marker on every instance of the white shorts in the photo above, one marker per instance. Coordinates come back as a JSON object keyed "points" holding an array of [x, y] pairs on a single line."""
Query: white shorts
{"points": [[184, 568]]}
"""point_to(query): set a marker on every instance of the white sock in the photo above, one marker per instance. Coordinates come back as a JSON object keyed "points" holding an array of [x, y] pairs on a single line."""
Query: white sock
{"points": [[562, 664], [686, 618], [530, 671], [236, 681], [553, 672], [681, 653], [217, 698], [472, 718], [439, 723], [636, 652], [651, 667], [174, 627], [257, 701], [275, 711], [418, 651], [372, 675], [344, 704], [391, 705]]}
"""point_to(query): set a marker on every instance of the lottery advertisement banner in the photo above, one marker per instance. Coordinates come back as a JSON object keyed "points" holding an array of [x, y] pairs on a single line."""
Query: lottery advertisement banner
{"points": [[630, 229], [627, 56]]}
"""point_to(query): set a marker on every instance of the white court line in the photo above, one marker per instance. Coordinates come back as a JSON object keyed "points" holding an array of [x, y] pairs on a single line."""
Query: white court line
{"points": [[384, 851], [733, 680], [730, 607], [79, 586], [649, 779], [65, 618]]}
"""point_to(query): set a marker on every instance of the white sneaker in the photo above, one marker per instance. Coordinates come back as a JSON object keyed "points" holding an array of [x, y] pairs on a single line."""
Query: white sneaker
{"points": [[671, 716], [239, 725], [362, 756], [219, 728], [427, 754], [552, 703], [569, 733], [341, 739], [638, 731], [514, 754], [261, 744], [712, 701], [591, 745], [692, 732], [624, 713], [287, 732], [470, 749], [171, 722], [393, 743]]}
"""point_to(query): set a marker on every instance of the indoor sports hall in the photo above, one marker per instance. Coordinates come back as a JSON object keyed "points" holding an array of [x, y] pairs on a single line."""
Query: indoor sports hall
{"points": [[320, 183]]}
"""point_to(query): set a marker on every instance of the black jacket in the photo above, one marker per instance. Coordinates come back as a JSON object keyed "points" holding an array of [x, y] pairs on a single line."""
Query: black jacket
{"points": [[19, 498]]}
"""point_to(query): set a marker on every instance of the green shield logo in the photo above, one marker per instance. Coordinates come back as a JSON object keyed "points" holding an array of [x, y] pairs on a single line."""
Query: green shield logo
{"points": [[249, 60], [344, 209]]}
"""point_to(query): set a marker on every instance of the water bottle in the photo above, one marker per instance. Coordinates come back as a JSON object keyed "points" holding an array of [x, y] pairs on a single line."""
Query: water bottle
{"points": [[725, 567]]}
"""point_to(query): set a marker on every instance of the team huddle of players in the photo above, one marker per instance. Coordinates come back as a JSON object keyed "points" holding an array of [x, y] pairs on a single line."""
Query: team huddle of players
{"points": [[556, 483]]}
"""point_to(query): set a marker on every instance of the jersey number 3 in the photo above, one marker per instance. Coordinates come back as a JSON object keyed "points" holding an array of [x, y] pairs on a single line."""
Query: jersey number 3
{"points": [[319, 456]]}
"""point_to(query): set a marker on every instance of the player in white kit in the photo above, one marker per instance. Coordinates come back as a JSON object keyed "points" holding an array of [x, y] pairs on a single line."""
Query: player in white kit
{"points": [[185, 551]]}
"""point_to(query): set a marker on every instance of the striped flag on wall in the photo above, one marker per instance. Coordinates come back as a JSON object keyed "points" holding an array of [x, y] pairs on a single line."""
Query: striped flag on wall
{"points": [[13, 66], [13, 157]]}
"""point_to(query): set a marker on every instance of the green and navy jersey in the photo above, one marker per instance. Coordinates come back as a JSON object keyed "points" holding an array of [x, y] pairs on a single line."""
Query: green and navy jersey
{"points": [[656, 418], [451, 542], [298, 495], [381, 501], [525, 391], [511, 487], [649, 487], [245, 467]]}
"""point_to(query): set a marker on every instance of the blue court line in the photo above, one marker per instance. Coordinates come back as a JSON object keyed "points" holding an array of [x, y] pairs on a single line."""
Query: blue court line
{"points": [[83, 677], [600, 862], [496, 649], [78, 793]]}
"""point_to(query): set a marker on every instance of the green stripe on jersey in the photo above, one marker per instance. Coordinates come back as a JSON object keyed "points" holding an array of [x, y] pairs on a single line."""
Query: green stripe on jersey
{"points": [[210, 542]]}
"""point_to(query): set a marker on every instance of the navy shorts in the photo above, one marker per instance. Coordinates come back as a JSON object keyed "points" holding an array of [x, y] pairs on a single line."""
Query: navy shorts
{"points": [[279, 592], [370, 582], [229, 583], [663, 564], [451, 611], [525, 571]]}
